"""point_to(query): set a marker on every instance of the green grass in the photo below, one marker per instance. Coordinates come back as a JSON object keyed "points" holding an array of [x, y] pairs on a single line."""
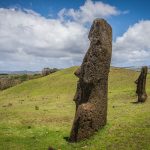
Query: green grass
{"points": [[22, 127]]}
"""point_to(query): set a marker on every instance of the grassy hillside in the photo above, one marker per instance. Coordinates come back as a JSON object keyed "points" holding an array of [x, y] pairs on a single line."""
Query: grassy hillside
{"points": [[39, 113]]}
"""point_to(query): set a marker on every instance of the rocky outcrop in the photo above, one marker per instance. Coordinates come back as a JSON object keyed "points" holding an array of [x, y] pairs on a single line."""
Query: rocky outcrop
{"points": [[47, 71], [92, 87]]}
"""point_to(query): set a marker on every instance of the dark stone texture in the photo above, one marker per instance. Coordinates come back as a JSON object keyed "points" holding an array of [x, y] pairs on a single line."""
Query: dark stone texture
{"points": [[92, 87], [141, 83]]}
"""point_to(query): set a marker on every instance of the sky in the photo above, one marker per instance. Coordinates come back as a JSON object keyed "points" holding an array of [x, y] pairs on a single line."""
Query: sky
{"points": [[54, 33]]}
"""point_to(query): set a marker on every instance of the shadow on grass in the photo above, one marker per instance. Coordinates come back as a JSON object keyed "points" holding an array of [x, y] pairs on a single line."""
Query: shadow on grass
{"points": [[66, 138], [137, 102], [51, 148]]}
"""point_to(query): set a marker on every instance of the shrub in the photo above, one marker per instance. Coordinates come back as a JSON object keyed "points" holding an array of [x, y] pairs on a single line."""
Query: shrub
{"points": [[47, 71]]}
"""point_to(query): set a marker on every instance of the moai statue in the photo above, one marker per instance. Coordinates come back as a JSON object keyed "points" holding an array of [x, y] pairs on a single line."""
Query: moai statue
{"points": [[141, 83], [92, 87]]}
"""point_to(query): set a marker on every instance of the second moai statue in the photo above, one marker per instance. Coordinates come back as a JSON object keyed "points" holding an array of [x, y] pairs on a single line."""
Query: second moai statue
{"points": [[141, 85], [92, 87]]}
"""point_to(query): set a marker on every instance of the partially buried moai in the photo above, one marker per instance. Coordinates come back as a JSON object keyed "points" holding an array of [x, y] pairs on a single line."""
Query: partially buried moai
{"points": [[92, 87], [141, 83]]}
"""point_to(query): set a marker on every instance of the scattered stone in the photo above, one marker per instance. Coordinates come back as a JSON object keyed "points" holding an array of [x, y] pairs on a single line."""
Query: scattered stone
{"points": [[10, 104], [33, 137], [36, 107], [51, 148], [92, 87], [29, 127], [141, 83]]}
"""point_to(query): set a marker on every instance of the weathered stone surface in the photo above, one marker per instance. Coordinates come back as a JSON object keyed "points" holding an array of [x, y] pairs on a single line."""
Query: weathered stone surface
{"points": [[92, 87], [141, 83]]}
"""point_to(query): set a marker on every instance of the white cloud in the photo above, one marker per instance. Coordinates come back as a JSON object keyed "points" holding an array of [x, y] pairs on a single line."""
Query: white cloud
{"points": [[89, 11], [33, 34], [25, 35], [31, 41], [133, 47]]}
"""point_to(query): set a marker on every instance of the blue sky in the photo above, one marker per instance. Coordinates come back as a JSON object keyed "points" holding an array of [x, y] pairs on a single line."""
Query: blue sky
{"points": [[136, 10], [58, 31]]}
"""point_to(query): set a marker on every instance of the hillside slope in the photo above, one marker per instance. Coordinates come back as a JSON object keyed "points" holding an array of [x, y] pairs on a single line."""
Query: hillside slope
{"points": [[39, 113]]}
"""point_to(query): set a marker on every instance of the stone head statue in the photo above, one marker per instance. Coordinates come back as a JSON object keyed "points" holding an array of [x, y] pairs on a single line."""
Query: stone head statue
{"points": [[91, 93]]}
